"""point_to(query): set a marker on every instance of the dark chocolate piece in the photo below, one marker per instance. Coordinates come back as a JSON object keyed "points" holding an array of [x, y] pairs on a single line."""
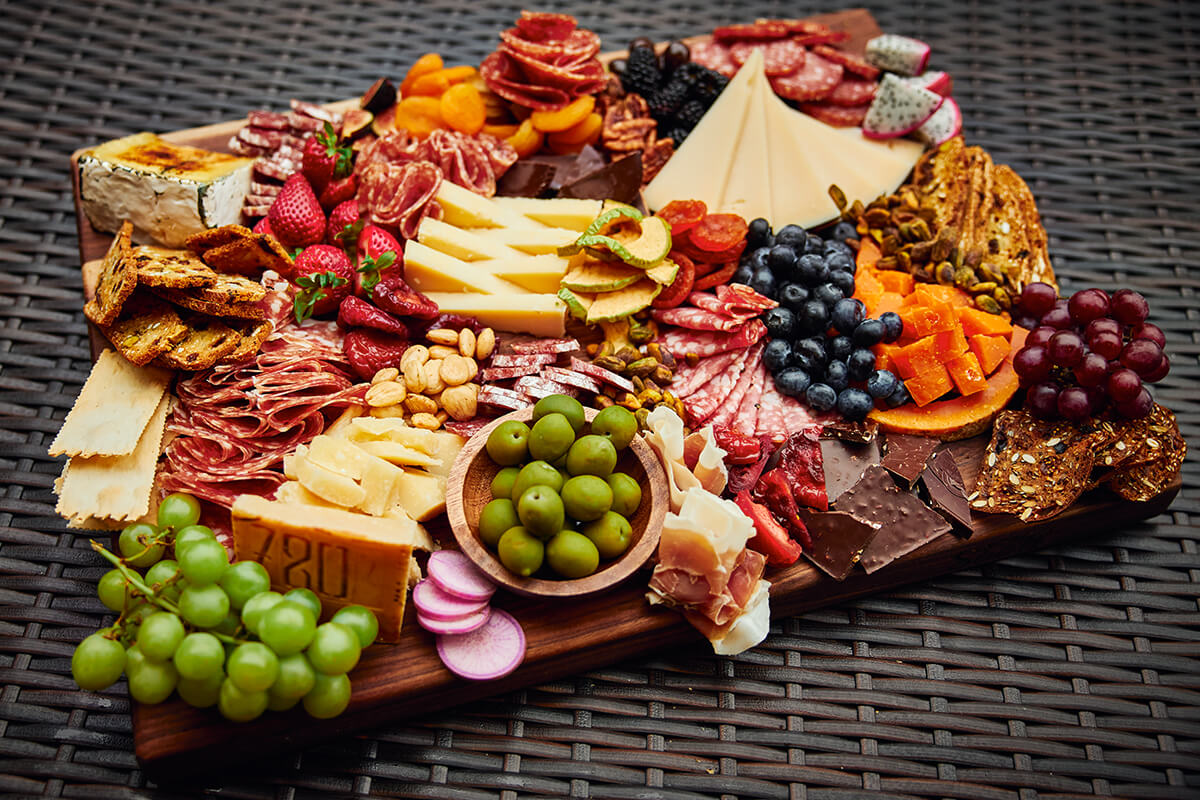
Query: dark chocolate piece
{"points": [[580, 165], [905, 522], [904, 456], [862, 431], [945, 487], [845, 464], [839, 539], [526, 179], [621, 181]]}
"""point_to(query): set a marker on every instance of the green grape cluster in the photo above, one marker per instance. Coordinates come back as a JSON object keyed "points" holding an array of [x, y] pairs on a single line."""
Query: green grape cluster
{"points": [[213, 631]]}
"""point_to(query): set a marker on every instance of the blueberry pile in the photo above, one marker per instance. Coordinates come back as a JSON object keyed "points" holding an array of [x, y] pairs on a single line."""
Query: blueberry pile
{"points": [[820, 341], [677, 90]]}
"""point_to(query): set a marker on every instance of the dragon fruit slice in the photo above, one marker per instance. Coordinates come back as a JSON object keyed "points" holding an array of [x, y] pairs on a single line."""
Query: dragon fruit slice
{"points": [[935, 81], [945, 124], [899, 108], [896, 53]]}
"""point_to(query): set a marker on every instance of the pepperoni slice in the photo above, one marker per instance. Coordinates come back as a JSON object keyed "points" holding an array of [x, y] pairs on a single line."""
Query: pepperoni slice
{"points": [[717, 278], [681, 287], [780, 57], [718, 232], [541, 26], [682, 215], [768, 29], [828, 37], [813, 81], [852, 92], [850, 62], [837, 116], [714, 56]]}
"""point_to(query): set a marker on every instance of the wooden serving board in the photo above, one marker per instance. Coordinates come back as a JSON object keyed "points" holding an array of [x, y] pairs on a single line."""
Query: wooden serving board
{"points": [[565, 637]]}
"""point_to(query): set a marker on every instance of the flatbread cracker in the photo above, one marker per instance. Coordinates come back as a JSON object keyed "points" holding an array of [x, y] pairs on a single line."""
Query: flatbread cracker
{"points": [[118, 278], [249, 256], [208, 340], [1158, 461], [174, 269], [200, 243], [147, 328], [190, 299], [115, 487], [112, 409]]}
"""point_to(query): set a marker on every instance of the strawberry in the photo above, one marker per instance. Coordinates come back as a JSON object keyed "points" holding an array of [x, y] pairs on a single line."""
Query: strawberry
{"points": [[323, 279], [264, 226], [343, 216], [338, 191], [323, 159], [296, 217], [377, 251]]}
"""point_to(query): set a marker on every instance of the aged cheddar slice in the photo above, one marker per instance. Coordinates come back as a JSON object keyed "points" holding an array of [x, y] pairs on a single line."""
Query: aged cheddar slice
{"points": [[464, 244], [167, 191], [537, 314], [430, 270], [346, 558], [562, 212], [534, 241], [541, 274], [465, 209]]}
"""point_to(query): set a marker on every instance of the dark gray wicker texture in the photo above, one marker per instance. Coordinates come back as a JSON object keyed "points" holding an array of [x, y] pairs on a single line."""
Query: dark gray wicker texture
{"points": [[1059, 674]]}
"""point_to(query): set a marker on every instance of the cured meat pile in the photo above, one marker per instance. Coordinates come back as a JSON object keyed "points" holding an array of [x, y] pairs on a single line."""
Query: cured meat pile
{"points": [[544, 63], [234, 423], [535, 371], [728, 387], [399, 174], [276, 139], [803, 63]]}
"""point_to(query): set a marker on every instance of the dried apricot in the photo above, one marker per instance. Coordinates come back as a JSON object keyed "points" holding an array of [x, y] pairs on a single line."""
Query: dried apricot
{"points": [[430, 62], [526, 141], [434, 84], [566, 117], [462, 108], [420, 116], [586, 131], [501, 131]]}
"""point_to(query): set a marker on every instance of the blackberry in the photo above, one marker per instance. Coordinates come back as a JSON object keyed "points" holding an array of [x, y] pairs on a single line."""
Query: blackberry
{"points": [[667, 99], [689, 114], [642, 74], [678, 135]]}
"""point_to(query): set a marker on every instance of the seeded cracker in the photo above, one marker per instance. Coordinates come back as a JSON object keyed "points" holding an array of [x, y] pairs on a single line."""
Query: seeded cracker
{"points": [[191, 300], [118, 279], [202, 242], [1144, 480], [208, 340], [174, 269], [249, 255], [1034, 468], [253, 335], [146, 329]]}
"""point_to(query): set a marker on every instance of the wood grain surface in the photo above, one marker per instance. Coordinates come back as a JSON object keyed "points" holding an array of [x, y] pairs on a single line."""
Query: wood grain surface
{"points": [[567, 636]]}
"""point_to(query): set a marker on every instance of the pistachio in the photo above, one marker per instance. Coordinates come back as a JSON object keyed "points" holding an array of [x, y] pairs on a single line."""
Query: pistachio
{"points": [[904, 260], [964, 278], [838, 196], [662, 374], [602, 402], [628, 354], [629, 401], [642, 415], [606, 349], [983, 287], [642, 367], [987, 303], [1002, 298], [944, 273], [638, 383], [692, 359], [649, 397], [877, 217], [642, 332], [610, 363]]}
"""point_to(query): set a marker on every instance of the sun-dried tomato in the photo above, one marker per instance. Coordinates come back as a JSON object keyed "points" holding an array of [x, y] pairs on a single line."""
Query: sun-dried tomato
{"points": [[393, 294], [681, 287], [770, 538], [740, 449], [772, 488], [717, 277], [354, 312], [369, 350], [800, 461], [718, 232], [683, 215]]}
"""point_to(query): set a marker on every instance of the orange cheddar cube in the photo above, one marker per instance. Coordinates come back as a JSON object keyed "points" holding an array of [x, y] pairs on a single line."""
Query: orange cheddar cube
{"points": [[868, 254], [966, 373], [923, 356], [896, 281], [949, 344], [929, 386], [989, 350], [936, 294], [975, 322]]}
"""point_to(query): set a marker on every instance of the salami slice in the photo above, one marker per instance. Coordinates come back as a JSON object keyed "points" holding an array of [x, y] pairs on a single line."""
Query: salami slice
{"points": [[680, 341], [715, 56], [537, 387], [576, 78], [467, 428], [705, 401], [837, 116], [580, 44], [851, 62], [739, 297], [501, 398], [603, 375], [502, 76], [532, 361], [268, 119], [853, 92], [757, 31], [746, 420], [687, 382], [697, 319], [729, 406], [545, 346], [571, 378], [771, 417], [799, 417], [829, 37], [813, 81], [780, 57]]}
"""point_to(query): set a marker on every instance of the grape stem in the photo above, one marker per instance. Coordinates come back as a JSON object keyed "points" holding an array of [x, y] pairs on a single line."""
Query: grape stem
{"points": [[135, 580]]}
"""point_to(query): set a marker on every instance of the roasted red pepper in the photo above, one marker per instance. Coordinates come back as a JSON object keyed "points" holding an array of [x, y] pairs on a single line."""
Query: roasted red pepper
{"points": [[773, 489], [770, 538], [800, 460]]}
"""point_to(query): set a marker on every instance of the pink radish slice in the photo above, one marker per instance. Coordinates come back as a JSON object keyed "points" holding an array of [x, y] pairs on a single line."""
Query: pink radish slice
{"points": [[455, 574], [455, 626], [433, 603], [490, 652]]}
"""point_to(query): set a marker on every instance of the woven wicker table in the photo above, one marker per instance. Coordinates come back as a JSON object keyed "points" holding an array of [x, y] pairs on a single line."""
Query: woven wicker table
{"points": [[1066, 673]]}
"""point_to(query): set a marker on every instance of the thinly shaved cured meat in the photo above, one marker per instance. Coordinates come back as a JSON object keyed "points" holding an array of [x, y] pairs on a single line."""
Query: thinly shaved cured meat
{"points": [[780, 57], [473, 162], [771, 420], [689, 379], [727, 412], [397, 197], [680, 341], [738, 297], [704, 402], [234, 423], [697, 319], [746, 421], [799, 417], [544, 63]]}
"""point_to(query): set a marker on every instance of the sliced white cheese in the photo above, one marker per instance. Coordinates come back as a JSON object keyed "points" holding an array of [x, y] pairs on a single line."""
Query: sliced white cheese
{"points": [[748, 190], [465, 244], [465, 209], [537, 314], [430, 270], [540, 274], [562, 212]]}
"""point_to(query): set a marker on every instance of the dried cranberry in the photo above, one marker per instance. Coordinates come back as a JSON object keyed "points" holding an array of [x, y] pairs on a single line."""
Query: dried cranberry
{"points": [[371, 350], [354, 312], [393, 294]]}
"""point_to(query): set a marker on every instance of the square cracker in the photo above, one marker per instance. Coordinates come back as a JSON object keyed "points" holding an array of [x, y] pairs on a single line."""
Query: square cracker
{"points": [[194, 301], [118, 278], [147, 328], [112, 409], [250, 255], [175, 269], [208, 340], [115, 487], [202, 242]]}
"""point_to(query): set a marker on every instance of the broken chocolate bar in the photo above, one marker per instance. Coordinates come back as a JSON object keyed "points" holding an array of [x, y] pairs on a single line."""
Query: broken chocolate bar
{"points": [[839, 539], [905, 523], [621, 181], [845, 464], [904, 456], [945, 487]]}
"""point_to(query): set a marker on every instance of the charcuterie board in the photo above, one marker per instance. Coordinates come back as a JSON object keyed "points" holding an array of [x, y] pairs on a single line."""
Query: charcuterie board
{"points": [[569, 636]]}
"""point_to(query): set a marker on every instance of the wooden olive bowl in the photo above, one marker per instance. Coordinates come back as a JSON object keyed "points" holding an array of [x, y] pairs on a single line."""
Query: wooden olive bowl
{"points": [[469, 489]]}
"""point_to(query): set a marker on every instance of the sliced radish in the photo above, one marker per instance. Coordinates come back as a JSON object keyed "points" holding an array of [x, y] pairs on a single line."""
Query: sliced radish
{"points": [[455, 627], [455, 574], [433, 603], [490, 652]]}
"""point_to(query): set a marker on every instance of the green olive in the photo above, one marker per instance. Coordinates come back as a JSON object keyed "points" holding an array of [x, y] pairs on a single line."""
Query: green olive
{"points": [[586, 497], [592, 455], [611, 535], [551, 436], [496, 518], [541, 511], [536, 473], [520, 552], [627, 494], [572, 555], [502, 484], [509, 443], [617, 424], [569, 407]]}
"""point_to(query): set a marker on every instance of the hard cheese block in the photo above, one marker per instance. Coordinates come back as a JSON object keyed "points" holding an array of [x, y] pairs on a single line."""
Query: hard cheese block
{"points": [[167, 191], [346, 558], [537, 314], [430, 270]]}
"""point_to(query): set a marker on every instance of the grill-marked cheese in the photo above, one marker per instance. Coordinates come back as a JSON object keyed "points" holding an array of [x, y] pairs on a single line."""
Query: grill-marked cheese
{"points": [[167, 191]]}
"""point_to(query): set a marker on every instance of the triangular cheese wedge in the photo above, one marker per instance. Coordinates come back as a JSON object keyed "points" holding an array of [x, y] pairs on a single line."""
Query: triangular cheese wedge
{"points": [[748, 189]]}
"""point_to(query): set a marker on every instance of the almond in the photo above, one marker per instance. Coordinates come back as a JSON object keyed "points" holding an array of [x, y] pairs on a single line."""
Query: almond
{"points": [[444, 336], [385, 393], [485, 343]]}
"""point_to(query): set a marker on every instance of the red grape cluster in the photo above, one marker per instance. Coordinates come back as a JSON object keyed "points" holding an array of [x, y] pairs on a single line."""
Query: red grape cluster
{"points": [[1083, 352]]}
